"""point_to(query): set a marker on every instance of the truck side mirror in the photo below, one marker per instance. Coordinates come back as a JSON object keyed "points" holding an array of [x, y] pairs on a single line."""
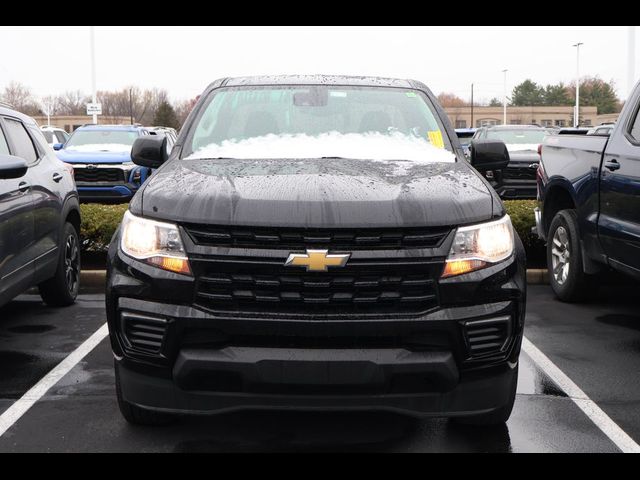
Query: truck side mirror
{"points": [[488, 155], [150, 151]]}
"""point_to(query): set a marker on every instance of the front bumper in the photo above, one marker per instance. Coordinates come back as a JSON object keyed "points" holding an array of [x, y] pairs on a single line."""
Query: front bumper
{"points": [[210, 362], [517, 190], [93, 193], [474, 394]]}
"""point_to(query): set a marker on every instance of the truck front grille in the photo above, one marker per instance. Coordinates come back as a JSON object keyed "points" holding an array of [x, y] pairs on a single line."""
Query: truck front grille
{"points": [[99, 175], [301, 238], [519, 174], [361, 288]]}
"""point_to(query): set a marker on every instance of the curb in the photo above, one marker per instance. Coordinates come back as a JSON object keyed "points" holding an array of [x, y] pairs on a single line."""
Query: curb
{"points": [[95, 279], [537, 276]]}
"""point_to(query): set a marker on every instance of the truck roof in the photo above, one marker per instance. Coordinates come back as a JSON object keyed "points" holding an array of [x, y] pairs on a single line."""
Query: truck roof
{"points": [[317, 80]]}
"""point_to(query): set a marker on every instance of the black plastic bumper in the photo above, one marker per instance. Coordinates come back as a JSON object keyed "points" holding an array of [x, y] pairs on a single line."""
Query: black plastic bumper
{"points": [[517, 190]]}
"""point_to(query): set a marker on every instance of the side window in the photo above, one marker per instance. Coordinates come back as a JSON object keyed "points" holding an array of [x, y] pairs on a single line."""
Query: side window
{"points": [[4, 148], [635, 127], [60, 136], [21, 140]]}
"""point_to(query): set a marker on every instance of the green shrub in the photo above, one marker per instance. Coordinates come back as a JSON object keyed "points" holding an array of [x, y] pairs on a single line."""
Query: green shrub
{"points": [[99, 222], [523, 219]]}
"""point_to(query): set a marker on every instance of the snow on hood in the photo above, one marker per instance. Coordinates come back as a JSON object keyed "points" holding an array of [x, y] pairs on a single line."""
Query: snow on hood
{"points": [[100, 147], [522, 147], [369, 146]]}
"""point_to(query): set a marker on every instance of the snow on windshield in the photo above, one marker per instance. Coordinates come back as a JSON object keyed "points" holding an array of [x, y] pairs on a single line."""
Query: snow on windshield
{"points": [[367, 146], [101, 147]]}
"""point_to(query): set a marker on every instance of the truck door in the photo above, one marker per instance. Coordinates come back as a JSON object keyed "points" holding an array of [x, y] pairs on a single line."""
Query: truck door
{"points": [[619, 221]]}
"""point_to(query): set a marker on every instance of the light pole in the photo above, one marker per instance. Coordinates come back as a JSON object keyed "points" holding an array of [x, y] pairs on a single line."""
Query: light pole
{"points": [[471, 126], [576, 114], [93, 72], [504, 98]]}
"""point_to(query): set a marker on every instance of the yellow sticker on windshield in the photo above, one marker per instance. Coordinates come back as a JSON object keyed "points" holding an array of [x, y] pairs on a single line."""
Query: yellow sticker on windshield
{"points": [[435, 137]]}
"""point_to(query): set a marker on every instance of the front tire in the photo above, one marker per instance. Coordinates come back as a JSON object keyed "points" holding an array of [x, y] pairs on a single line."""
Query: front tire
{"points": [[136, 415], [62, 289], [567, 277]]}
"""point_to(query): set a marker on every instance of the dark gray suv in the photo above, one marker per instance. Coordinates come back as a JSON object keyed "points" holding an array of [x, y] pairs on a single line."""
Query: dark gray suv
{"points": [[39, 215]]}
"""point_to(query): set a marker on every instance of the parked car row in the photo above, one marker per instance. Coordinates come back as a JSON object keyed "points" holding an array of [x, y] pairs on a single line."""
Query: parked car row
{"points": [[518, 180], [39, 199]]}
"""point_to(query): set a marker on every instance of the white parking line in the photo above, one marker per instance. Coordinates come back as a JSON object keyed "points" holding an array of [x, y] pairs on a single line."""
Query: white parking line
{"points": [[611, 429], [35, 393]]}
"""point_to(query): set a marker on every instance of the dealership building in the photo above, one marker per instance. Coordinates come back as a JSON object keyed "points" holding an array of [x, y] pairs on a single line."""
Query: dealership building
{"points": [[467, 117]]}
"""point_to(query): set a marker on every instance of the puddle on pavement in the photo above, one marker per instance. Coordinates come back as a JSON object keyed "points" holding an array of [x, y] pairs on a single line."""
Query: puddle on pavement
{"points": [[11, 361], [31, 328]]}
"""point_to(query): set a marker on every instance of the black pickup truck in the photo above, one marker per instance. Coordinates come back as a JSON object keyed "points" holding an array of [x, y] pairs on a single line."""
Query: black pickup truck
{"points": [[589, 204], [316, 243]]}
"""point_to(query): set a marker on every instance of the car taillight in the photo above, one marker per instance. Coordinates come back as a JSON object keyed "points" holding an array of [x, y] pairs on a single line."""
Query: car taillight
{"points": [[70, 170], [540, 149]]}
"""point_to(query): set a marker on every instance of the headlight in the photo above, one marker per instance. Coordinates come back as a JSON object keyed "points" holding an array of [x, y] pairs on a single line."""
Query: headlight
{"points": [[478, 246], [154, 242]]}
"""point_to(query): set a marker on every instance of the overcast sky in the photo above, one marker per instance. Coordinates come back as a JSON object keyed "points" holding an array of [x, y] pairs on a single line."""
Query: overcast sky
{"points": [[183, 60]]}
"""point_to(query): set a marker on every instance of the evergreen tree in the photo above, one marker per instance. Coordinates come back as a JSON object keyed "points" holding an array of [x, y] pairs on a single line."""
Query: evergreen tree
{"points": [[527, 94], [165, 116]]}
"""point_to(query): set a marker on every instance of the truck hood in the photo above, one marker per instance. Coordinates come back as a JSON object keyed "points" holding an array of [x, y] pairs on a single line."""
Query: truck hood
{"points": [[315, 193], [78, 156]]}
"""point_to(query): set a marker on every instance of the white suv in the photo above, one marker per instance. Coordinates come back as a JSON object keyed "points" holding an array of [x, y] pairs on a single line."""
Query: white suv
{"points": [[54, 135]]}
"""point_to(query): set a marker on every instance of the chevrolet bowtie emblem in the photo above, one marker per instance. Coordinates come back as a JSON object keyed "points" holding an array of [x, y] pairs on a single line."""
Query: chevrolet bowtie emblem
{"points": [[317, 260]]}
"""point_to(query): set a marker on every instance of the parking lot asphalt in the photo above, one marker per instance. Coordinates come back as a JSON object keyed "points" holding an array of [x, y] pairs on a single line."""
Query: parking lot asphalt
{"points": [[596, 345]]}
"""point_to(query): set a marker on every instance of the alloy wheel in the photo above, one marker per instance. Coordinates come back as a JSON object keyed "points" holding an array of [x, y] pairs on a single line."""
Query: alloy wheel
{"points": [[560, 255], [71, 263]]}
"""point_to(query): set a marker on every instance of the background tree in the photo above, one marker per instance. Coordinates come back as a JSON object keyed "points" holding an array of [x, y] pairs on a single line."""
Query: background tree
{"points": [[450, 100], [183, 109], [595, 92], [166, 116], [72, 102], [19, 96], [557, 94], [494, 102], [527, 94]]}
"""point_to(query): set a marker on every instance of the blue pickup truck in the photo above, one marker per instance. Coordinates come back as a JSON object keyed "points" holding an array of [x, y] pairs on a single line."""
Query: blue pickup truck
{"points": [[589, 204], [101, 160]]}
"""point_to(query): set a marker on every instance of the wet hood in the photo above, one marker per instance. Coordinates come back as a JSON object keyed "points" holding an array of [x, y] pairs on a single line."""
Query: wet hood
{"points": [[76, 156], [315, 193]]}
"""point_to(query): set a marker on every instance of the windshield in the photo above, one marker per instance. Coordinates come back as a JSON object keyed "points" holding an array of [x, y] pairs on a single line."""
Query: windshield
{"points": [[316, 122], [518, 136], [47, 135], [465, 138], [102, 140]]}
